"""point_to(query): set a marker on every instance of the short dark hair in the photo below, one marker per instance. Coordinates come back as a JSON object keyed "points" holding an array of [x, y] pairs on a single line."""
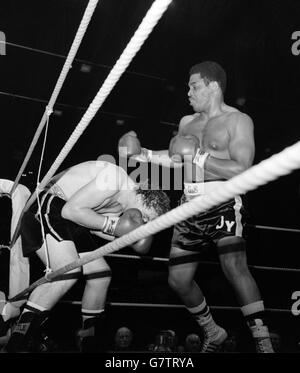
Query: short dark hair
{"points": [[156, 199], [211, 71]]}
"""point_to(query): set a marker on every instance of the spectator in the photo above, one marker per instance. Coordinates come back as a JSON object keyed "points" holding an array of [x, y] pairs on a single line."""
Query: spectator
{"points": [[276, 341], [192, 343], [165, 341], [123, 339], [231, 343], [161, 343], [172, 340]]}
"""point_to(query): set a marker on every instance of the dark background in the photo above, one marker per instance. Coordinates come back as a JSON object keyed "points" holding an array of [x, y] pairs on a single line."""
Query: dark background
{"points": [[251, 39]]}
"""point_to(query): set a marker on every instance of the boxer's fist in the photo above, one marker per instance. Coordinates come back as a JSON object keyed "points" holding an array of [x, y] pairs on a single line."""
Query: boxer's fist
{"points": [[181, 146], [129, 145], [128, 221]]}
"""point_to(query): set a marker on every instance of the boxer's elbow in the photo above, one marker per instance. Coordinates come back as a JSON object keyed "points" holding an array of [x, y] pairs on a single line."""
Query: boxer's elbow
{"points": [[69, 212], [237, 169], [241, 167]]}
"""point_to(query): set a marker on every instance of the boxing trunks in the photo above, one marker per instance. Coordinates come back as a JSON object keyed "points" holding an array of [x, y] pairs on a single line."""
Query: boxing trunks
{"points": [[59, 228], [202, 231]]}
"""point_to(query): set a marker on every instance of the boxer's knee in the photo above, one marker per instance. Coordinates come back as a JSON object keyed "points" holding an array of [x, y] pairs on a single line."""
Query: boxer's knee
{"points": [[232, 254], [68, 279], [180, 280], [99, 278]]}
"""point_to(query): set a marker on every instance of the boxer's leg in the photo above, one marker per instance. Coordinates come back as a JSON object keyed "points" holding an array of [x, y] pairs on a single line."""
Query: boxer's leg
{"points": [[181, 280], [92, 335], [233, 259], [45, 296]]}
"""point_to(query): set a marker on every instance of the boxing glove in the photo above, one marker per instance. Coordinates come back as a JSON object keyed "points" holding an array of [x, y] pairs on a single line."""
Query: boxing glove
{"points": [[129, 145], [187, 148], [127, 222], [182, 146]]}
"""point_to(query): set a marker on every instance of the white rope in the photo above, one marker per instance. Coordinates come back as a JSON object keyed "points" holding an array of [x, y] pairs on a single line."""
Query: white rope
{"points": [[37, 191], [150, 20], [270, 169], [68, 64]]}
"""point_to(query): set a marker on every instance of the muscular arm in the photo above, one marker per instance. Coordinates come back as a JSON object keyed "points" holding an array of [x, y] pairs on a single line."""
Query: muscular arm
{"points": [[80, 207], [241, 150], [161, 157]]}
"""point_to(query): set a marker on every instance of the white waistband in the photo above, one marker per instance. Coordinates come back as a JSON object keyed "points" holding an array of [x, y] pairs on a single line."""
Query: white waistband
{"points": [[198, 189]]}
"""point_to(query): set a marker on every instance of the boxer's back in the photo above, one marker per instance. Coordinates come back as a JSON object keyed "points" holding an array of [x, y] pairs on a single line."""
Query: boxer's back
{"points": [[74, 178]]}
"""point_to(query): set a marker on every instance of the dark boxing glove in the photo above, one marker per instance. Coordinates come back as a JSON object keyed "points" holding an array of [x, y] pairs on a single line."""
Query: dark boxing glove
{"points": [[182, 146], [127, 222]]}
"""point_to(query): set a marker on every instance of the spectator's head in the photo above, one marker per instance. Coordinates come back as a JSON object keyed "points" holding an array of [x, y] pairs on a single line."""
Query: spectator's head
{"points": [[161, 343], [275, 340], [231, 342], [170, 338], [192, 343], [123, 338]]}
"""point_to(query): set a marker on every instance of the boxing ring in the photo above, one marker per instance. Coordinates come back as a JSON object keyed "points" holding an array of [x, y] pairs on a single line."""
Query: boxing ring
{"points": [[266, 171]]}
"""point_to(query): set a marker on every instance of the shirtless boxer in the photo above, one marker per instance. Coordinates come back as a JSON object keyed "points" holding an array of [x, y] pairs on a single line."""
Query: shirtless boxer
{"points": [[219, 142], [92, 196]]}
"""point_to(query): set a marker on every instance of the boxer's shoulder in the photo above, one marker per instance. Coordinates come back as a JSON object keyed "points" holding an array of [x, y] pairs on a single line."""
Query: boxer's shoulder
{"points": [[232, 119], [188, 118]]}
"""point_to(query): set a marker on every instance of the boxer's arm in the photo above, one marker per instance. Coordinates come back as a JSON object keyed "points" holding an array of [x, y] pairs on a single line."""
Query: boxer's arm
{"points": [[161, 157], [80, 207], [105, 236], [141, 247], [241, 150]]}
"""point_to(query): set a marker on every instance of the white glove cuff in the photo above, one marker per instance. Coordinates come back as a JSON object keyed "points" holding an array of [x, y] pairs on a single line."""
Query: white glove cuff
{"points": [[110, 224], [200, 158], [148, 153]]}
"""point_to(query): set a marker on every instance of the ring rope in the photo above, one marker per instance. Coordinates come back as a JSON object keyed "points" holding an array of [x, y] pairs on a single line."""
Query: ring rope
{"points": [[266, 227], [164, 305], [148, 23], [145, 257], [48, 268], [158, 259], [81, 61], [68, 64], [270, 169]]}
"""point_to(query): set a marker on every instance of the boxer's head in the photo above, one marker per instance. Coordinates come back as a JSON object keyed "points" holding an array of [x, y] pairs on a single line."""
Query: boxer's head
{"points": [[155, 202], [206, 80]]}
